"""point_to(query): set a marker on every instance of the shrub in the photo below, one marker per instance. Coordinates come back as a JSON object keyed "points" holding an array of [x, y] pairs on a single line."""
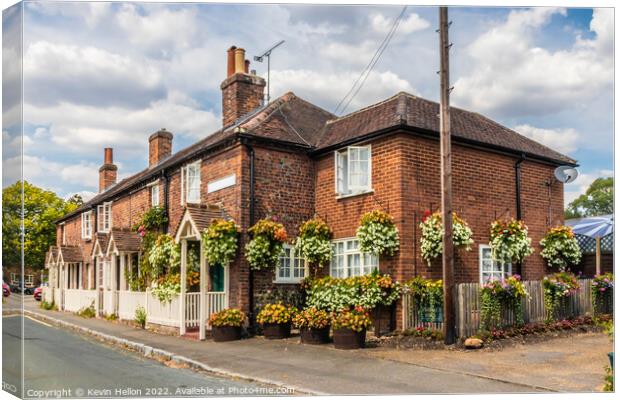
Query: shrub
{"points": [[312, 318], [368, 291], [432, 235], [509, 241], [378, 234], [560, 248], [153, 219], [140, 317], [356, 319], [276, 314], [268, 237], [48, 306], [220, 241], [314, 241], [227, 317], [88, 312]]}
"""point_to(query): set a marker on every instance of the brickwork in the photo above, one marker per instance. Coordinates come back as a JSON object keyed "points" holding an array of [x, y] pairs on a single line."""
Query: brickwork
{"points": [[241, 94], [160, 146]]}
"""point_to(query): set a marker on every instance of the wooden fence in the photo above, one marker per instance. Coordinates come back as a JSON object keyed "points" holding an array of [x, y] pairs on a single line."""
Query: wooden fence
{"points": [[467, 298]]}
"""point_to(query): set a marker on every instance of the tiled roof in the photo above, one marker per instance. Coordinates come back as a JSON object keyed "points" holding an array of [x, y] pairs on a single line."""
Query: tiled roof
{"points": [[125, 240], [407, 110], [71, 254], [51, 253], [201, 215]]}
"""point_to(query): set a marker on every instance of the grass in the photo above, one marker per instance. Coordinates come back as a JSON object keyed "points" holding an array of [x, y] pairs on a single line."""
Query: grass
{"points": [[48, 306], [87, 312]]}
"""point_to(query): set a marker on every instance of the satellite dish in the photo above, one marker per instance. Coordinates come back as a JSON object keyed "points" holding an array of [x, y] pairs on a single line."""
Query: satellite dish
{"points": [[566, 173]]}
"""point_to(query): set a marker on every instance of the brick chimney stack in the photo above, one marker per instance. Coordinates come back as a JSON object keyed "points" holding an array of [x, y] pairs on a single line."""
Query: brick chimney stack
{"points": [[160, 146], [242, 92], [107, 172]]}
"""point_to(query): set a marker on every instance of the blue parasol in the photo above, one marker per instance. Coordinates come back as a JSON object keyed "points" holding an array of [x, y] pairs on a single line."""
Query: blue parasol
{"points": [[594, 227]]}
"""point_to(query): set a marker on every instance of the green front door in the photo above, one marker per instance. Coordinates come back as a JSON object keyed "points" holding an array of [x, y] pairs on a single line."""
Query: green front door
{"points": [[217, 278]]}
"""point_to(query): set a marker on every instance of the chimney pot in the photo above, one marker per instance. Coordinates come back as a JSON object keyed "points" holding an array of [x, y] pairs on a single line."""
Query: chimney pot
{"points": [[247, 66], [107, 156], [230, 61], [239, 60]]}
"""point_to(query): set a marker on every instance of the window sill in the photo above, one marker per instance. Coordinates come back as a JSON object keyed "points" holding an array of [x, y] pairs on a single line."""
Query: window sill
{"points": [[287, 281], [346, 196]]}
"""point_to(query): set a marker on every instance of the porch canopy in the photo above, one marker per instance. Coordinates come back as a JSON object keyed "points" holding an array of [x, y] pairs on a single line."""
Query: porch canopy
{"points": [[123, 241], [99, 244], [593, 227], [196, 218], [67, 255]]}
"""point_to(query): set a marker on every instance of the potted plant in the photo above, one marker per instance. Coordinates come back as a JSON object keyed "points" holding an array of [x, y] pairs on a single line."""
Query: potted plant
{"points": [[313, 325], [276, 320], [350, 328], [560, 248], [226, 325], [268, 238], [509, 241], [432, 235], [378, 234]]}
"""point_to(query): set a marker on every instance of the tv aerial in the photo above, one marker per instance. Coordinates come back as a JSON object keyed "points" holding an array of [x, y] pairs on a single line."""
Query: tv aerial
{"points": [[566, 173], [260, 59]]}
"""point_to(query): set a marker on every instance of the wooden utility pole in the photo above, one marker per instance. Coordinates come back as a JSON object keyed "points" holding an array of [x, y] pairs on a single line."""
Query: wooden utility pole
{"points": [[449, 325]]}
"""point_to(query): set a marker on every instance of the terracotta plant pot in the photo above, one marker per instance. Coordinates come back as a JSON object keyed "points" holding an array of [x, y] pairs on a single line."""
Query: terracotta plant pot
{"points": [[314, 336], [226, 333], [277, 331], [347, 339]]}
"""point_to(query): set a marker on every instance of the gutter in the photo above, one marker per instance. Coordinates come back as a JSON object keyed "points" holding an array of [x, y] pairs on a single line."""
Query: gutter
{"points": [[518, 198], [252, 157]]}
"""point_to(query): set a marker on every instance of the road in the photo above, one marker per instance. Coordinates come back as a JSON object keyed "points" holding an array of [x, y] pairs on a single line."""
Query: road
{"points": [[58, 362]]}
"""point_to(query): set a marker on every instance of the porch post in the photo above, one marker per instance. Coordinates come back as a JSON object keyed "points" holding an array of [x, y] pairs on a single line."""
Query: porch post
{"points": [[203, 294], [96, 266], [183, 286], [81, 276], [123, 266]]}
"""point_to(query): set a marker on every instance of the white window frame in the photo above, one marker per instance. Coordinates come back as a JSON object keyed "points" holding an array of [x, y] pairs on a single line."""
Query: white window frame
{"points": [[366, 260], [185, 187], [104, 217], [87, 225], [293, 256], [345, 177], [497, 267], [155, 195]]}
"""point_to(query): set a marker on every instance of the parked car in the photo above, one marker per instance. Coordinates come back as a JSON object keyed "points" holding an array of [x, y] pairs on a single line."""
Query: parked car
{"points": [[6, 290], [38, 293]]}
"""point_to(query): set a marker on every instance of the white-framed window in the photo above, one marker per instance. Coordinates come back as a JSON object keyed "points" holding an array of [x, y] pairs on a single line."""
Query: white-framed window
{"points": [[87, 229], [190, 183], [292, 267], [104, 217], [490, 269], [353, 170], [155, 195], [348, 260]]}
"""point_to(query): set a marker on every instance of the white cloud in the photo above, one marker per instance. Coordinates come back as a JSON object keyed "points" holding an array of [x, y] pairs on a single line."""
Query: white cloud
{"points": [[90, 12], [84, 173], [85, 194], [510, 75], [326, 90], [412, 23], [89, 75], [582, 183], [562, 140]]}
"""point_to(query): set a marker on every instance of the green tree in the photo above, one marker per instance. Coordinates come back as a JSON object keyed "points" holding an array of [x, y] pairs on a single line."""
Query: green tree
{"points": [[41, 209], [597, 200], [76, 199]]}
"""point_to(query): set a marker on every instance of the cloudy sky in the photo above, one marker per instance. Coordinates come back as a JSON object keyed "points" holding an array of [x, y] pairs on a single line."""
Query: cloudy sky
{"points": [[110, 74]]}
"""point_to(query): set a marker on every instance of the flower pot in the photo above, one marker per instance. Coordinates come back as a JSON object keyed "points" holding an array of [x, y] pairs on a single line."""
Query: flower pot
{"points": [[314, 336], [277, 331], [348, 339], [226, 333]]}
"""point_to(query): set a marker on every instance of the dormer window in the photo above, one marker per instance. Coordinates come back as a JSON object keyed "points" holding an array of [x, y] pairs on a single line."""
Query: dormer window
{"points": [[353, 170], [190, 183], [87, 229], [104, 217]]}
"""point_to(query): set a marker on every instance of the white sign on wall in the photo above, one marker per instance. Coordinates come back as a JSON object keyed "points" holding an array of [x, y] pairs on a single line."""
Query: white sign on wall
{"points": [[221, 183]]}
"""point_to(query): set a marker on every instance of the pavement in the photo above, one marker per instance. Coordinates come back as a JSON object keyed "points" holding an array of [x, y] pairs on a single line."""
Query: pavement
{"points": [[60, 362], [311, 369]]}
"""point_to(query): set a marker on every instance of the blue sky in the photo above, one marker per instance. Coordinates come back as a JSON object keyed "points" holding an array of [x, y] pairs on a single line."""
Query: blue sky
{"points": [[110, 74]]}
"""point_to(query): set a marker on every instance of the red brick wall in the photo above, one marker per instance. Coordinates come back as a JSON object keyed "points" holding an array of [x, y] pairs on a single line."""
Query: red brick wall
{"points": [[241, 94]]}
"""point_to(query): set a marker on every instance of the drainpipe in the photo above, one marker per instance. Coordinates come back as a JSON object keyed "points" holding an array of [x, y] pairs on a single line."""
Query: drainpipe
{"points": [[164, 177], [251, 154], [518, 196]]}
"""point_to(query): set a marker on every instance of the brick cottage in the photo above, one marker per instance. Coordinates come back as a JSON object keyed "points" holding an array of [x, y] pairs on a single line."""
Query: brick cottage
{"points": [[294, 160]]}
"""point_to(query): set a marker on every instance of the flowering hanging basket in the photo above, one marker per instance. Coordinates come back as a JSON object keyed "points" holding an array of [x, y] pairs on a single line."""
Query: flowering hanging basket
{"points": [[432, 235], [378, 234], [314, 242], [220, 241], [509, 241], [268, 237], [560, 248]]}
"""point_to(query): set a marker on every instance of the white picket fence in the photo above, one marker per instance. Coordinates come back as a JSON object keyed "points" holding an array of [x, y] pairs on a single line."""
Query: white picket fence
{"points": [[162, 313], [77, 299], [216, 301], [108, 302], [48, 294], [128, 303]]}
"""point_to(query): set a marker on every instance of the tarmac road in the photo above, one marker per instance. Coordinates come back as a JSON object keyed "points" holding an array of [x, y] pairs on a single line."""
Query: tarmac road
{"points": [[58, 362]]}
